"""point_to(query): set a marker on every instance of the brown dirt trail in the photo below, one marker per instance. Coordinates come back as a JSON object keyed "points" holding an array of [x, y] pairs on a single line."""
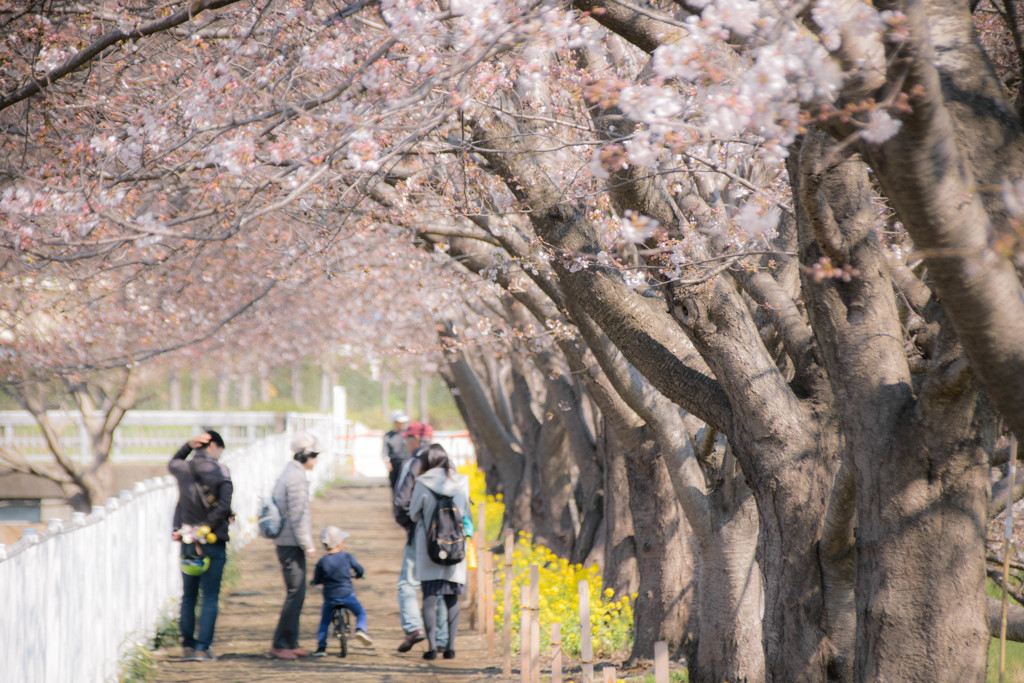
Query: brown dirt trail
{"points": [[248, 612]]}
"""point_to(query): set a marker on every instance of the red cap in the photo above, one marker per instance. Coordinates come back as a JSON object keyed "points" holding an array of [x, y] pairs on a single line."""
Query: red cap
{"points": [[420, 430]]}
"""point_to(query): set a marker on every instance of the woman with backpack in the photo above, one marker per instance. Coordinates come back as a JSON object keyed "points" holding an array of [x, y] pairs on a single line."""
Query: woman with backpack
{"points": [[440, 503], [294, 543]]}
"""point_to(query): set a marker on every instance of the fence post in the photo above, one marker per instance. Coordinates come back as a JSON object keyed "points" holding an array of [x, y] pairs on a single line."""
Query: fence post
{"points": [[609, 674], [506, 627], [489, 600], [524, 633], [586, 647], [1008, 539], [556, 653], [534, 624], [661, 662], [481, 597]]}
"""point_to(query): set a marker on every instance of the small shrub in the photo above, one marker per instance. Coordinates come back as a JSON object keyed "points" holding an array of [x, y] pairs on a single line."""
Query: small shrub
{"points": [[137, 665], [168, 631]]}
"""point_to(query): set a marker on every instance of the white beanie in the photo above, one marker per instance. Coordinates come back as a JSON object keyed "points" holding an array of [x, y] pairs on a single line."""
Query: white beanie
{"points": [[304, 441]]}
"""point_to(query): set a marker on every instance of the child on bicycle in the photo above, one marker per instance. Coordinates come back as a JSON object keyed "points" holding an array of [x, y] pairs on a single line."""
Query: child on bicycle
{"points": [[335, 571]]}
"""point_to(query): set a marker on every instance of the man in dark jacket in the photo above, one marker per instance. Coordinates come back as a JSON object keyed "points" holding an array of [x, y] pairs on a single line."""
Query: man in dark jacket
{"points": [[417, 439], [395, 451], [204, 499]]}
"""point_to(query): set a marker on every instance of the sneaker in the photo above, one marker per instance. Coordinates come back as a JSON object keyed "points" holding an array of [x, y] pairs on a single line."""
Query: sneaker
{"points": [[449, 654], [321, 651], [430, 654], [282, 654], [188, 654], [205, 656], [411, 639], [363, 637]]}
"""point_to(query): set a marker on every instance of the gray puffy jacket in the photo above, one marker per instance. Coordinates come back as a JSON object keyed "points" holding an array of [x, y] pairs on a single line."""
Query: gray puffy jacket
{"points": [[291, 492]]}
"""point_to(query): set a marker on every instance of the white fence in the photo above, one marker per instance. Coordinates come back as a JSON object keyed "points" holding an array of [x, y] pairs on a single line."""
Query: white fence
{"points": [[142, 435], [76, 596]]}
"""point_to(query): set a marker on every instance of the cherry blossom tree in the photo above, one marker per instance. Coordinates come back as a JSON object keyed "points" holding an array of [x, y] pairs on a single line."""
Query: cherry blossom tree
{"points": [[796, 223]]}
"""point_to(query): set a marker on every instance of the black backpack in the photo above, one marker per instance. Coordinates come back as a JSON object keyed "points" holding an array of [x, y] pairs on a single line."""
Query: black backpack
{"points": [[446, 535]]}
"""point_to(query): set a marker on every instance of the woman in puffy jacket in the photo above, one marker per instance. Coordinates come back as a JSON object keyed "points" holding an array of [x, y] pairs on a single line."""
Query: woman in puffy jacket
{"points": [[294, 543], [438, 478]]}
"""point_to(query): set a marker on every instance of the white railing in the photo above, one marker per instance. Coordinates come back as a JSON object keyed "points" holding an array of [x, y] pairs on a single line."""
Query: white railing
{"points": [[142, 435], [75, 596]]}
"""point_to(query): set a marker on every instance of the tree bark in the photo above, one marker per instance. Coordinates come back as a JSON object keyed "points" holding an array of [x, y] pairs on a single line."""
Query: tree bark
{"points": [[664, 557], [619, 547]]}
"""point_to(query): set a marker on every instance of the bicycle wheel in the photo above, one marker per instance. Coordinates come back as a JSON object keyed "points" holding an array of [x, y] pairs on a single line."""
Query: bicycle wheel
{"points": [[341, 629]]}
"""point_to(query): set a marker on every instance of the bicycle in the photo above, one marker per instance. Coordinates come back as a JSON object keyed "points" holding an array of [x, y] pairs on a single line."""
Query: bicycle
{"points": [[342, 622]]}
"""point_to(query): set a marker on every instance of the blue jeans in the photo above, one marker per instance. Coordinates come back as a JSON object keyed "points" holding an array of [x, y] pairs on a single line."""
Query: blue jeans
{"points": [[209, 583], [408, 592], [409, 599], [349, 601]]}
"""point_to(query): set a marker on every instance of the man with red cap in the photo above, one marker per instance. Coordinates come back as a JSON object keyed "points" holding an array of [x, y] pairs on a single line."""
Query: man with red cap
{"points": [[417, 439]]}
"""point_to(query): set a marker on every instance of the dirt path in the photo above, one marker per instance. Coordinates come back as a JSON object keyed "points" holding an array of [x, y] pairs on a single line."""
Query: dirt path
{"points": [[248, 613]]}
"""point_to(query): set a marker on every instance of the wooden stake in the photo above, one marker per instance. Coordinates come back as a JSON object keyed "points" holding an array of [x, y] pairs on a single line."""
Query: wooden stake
{"points": [[489, 601], [506, 627], [586, 646], [534, 624], [556, 653], [661, 662], [1007, 538], [609, 674], [468, 601], [478, 540], [525, 672]]}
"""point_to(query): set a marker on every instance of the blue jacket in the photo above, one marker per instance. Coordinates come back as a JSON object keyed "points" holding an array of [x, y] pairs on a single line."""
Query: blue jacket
{"points": [[335, 571]]}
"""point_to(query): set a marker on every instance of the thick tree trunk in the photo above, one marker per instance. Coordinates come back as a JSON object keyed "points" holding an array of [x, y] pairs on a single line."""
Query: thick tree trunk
{"points": [[730, 601], [664, 556], [174, 391], [505, 449], [791, 502], [553, 487], [620, 568], [921, 605]]}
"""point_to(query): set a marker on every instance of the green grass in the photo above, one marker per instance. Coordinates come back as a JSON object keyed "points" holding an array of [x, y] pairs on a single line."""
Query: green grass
{"points": [[232, 578], [137, 665], [1014, 662], [168, 631], [1014, 651]]}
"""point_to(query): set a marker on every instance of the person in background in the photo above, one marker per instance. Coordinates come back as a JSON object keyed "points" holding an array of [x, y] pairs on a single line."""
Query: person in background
{"points": [[417, 438], [204, 498], [395, 452], [294, 543], [439, 581], [335, 571]]}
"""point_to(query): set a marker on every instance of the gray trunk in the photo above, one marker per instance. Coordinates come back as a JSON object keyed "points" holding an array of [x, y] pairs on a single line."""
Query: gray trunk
{"points": [[730, 602], [664, 556]]}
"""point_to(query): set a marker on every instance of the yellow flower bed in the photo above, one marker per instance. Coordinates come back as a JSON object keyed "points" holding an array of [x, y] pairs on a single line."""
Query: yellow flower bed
{"points": [[611, 620]]}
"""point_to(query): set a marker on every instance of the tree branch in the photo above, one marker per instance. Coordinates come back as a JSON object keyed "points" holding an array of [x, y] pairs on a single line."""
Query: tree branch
{"points": [[90, 52]]}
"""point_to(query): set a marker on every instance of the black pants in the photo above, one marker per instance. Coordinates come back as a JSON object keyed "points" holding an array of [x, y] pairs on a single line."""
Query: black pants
{"points": [[396, 466], [430, 618], [293, 567]]}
